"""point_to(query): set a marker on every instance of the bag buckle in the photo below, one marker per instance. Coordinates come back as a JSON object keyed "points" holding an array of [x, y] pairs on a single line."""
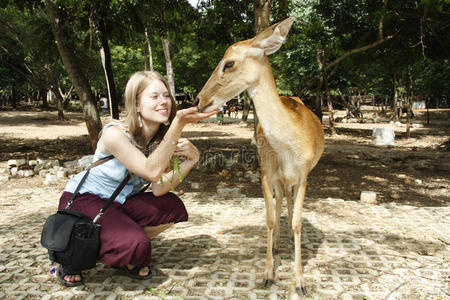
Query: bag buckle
{"points": [[97, 217]]}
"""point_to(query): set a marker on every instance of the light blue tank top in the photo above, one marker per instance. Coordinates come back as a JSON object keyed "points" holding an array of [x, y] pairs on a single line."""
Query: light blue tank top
{"points": [[104, 179]]}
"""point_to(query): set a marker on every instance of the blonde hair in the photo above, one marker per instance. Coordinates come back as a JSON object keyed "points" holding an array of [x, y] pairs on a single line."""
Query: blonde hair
{"points": [[133, 90]]}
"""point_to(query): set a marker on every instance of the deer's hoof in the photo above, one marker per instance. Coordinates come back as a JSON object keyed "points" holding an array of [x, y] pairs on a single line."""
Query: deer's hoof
{"points": [[301, 291], [268, 283]]}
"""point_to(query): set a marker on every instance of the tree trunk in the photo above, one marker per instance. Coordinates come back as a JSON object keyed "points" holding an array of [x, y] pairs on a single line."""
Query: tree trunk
{"points": [[66, 103], [321, 59], [246, 108], [13, 98], [284, 9], [169, 68], [65, 96], [107, 68], [395, 106], [409, 96], [262, 21], [59, 102], [43, 94], [262, 14], [358, 106], [330, 106], [352, 109], [321, 56], [79, 80], [149, 47], [318, 100], [255, 116]]}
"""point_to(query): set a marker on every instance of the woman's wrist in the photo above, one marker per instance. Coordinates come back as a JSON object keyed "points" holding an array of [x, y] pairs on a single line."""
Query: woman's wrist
{"points": [[177, 124], [172, 142], [173, 134], [192, 161]]}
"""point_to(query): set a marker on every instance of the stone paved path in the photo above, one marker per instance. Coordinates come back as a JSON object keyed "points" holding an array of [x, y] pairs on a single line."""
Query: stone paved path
{"points": [[351, 251]]}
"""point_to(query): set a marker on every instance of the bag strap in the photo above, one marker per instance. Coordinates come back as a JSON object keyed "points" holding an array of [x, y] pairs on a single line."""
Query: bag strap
{"points": [[114, 194], [116, 191], [92, 165], [100, 161]]}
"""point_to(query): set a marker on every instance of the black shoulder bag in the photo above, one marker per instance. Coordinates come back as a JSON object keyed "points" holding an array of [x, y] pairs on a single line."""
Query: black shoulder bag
{"points": [[73, 239]]}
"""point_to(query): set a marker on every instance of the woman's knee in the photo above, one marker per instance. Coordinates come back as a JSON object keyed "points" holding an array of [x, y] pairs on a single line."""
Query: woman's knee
{"points": [[148, 210], [178, 208]]}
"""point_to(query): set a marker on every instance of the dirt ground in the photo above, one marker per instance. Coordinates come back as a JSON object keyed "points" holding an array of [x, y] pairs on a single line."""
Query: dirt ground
{"points": [[416, 171], [396, 249]]}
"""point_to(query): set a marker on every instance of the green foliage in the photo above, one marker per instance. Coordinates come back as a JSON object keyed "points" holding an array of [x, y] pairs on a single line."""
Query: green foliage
{"points": [[126, 61], [432, 78], [28, 51], [199, 38]]}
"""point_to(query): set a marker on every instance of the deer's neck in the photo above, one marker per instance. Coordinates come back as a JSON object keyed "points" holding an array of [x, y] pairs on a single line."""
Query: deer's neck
{"points": [[272, 115]]}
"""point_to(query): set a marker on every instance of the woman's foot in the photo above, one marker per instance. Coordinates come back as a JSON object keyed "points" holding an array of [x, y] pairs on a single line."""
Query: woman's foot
{"points": [[136, 272], [69, 277], [144, 271]]}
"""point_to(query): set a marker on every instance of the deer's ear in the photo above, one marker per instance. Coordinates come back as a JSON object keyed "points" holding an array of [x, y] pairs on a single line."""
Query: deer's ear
{"points": [[271, 39]]}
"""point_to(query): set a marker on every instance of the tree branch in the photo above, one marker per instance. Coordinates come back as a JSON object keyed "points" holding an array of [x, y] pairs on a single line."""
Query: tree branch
{"points": [[357, 50], [438, 38], [344, 56]]}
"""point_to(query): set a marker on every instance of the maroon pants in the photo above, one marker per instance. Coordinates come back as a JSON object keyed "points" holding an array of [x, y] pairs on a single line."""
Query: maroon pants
{"points": [[123, 240]]}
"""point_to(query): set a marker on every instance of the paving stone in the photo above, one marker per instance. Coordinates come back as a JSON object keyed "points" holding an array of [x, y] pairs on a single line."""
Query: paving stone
{"points": [[350, 250]]}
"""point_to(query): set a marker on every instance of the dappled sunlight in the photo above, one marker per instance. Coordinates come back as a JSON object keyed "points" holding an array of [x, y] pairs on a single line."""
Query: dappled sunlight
{"points": [[375, 179]]}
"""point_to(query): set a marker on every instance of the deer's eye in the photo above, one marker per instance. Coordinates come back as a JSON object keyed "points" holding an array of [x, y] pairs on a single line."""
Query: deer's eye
{"points": [[228, 64]]}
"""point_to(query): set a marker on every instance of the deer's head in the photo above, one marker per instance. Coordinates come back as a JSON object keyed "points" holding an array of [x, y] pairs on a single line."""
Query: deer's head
{"points": [[241, 65]]}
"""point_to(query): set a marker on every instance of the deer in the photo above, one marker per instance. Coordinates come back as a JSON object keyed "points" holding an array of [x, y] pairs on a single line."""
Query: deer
{"points": [[289, 136], [233, 110]]}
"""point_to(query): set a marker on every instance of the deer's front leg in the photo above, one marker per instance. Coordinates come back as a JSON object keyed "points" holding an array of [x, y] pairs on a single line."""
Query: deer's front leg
{"points": [[270, 222], [279, 195], [297, 228], [288, 193]]}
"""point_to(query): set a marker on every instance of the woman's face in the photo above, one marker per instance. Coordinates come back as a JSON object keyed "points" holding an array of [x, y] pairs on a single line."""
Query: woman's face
{"points": [[154, 103]]}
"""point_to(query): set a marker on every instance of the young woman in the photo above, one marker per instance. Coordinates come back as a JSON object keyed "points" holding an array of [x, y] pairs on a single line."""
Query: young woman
{"points": [[143, 146]]}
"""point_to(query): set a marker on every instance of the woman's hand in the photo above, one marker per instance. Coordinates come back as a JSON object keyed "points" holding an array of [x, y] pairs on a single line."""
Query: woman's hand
{"points": [[173, 178], [187, 149], [191, 115]]}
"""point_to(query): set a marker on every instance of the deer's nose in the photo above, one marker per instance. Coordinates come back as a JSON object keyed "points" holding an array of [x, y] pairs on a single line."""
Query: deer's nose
{"points": [[196, 102]]}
